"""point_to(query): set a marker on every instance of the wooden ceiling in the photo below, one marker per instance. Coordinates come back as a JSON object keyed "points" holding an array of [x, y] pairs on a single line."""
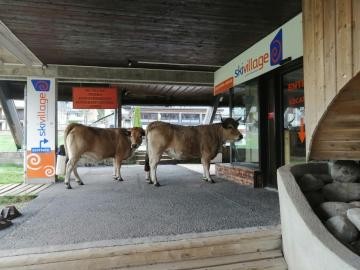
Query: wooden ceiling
{"points": [[198, 35]]}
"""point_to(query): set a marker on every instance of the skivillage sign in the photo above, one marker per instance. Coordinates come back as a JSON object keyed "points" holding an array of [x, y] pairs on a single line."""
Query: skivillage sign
{"points": [[284, 43], [40, 131]]}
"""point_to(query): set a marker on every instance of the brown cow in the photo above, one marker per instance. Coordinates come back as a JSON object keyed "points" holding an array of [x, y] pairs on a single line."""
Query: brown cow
{"points": [[187, 142], [98, 144]]}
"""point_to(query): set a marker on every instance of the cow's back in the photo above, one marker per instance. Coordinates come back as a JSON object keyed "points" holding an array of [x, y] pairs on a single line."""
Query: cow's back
{"points": [[181, 142], [97, 143]]}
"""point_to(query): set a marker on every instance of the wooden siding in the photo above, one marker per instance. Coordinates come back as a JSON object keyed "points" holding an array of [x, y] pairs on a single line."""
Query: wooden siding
{"points": [[331, 60]]}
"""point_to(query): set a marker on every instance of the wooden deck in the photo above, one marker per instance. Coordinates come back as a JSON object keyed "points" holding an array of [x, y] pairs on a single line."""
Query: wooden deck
{"points": [[21, 189], [256, 250]]}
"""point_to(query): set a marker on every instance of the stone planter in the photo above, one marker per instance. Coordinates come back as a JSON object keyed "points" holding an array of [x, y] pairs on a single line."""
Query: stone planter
{"points": [[307, 244]]}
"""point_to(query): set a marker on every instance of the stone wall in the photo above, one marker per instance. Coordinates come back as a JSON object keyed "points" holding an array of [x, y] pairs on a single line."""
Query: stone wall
{"points": [[307, 244]]}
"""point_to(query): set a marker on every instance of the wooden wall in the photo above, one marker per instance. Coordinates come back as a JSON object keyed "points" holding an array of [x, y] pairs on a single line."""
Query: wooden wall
{"points": [[331, 59]]}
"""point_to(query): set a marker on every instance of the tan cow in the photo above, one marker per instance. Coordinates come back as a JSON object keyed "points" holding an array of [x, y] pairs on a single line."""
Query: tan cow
{"points": [[187, 142], [98, 144]]}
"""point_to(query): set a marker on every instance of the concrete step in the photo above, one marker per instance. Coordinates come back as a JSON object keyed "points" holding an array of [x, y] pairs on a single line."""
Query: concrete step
{"points": [[251, 250]]}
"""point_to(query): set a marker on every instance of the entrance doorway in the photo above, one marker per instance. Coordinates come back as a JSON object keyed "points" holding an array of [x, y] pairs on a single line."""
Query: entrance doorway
{"points": [[282, 120]]}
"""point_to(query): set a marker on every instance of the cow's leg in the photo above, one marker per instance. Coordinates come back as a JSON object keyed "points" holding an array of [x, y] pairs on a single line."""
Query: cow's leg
{"points": [[117, 176], [206, 166], [115, 169], [147, 169], [77, 177], [148, 177], [153, 162], [69, 168], [204, 173], [118, 161]]}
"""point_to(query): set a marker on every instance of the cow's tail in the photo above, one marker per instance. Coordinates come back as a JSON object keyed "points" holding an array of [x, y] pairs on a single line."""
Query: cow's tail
{"points": [[147, 165], [66, 133]]}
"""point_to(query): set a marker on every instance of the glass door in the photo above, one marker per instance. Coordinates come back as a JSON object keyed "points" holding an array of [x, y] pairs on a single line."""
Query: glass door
{"points": [[294, 117]]}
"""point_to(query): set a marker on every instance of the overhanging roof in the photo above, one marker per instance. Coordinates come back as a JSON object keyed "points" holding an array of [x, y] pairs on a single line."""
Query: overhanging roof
{"points": [[167, 35]]}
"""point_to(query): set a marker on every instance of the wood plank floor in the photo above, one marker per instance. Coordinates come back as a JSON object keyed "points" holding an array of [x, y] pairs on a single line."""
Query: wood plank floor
{"points": [[21, 189]]}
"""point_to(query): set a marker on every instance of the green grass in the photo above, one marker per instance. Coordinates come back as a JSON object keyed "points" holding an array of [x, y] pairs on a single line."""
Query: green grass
{"points": [[11, 173], [251, 141], [18, 201], [7, 142]]}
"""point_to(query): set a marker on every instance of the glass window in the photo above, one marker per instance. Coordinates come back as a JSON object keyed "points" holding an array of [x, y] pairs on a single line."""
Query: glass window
{"points": [[190, 119], [246, 107], [149, 116], [170, 117], [294, 113]]}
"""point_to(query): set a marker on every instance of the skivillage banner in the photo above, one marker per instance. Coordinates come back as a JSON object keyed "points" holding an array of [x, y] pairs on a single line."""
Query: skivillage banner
{"points": [[285, 43], [40, 130]]}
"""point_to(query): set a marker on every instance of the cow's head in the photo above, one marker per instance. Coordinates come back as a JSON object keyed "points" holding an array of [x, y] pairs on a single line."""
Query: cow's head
{"points": [[230, 131], [136, 135]]}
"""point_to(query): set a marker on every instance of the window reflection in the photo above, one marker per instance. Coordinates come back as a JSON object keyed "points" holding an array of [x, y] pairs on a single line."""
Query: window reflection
{"points": [[246, 107]]}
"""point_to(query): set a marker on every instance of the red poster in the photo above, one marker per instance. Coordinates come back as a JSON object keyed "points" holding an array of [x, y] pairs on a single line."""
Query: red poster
{"points": [[94, 98]]}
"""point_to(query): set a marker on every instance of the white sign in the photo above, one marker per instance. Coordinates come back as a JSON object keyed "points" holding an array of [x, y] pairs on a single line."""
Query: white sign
{"points": [[40, 128], [286, 42]]}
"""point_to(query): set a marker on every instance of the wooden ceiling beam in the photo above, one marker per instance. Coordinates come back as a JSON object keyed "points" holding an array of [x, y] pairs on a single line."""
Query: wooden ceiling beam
{"points": [[10, 42], [107, 75]]}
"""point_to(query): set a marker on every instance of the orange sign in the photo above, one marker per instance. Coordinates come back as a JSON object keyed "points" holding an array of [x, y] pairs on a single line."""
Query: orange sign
{"points": [[224, 86], [301, 133], [295, 85], [94, 98], [40, 165], [296, 101]]}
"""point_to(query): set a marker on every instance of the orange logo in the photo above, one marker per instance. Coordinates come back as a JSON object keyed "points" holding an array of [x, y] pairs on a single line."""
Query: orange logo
{"points": [[40, 165]]}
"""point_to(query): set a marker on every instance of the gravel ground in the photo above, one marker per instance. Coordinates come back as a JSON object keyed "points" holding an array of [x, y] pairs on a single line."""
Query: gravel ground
{"points": [[104, 210]]}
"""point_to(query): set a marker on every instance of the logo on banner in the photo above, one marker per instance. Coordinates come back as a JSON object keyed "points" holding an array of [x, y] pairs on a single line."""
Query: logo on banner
{"points": [[255, 64], [276, 49], [40, 164], [41, 85]]}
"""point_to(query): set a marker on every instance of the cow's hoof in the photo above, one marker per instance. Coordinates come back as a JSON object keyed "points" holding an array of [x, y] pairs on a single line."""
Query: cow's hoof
{"points": [[157, 184], [120, 179], [204, 179], [80, 183], [68, 186], [212, 181]]}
